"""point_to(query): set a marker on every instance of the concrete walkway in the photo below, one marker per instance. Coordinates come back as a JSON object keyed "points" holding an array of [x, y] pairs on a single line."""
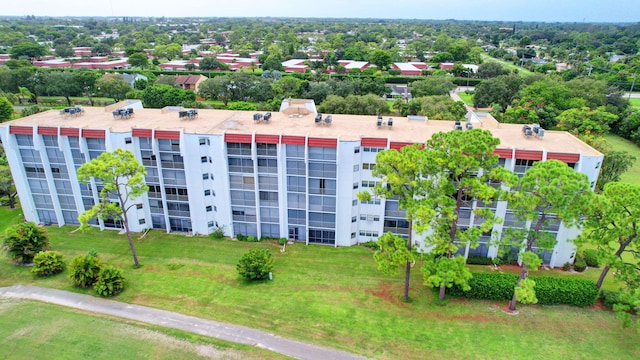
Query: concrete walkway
{"points": [[228, 332]]}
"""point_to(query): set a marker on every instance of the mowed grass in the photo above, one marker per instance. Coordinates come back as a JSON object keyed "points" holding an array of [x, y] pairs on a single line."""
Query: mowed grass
{"points": [[632, 176], [635, 102], [335, 297], [28, 328], [467, 98]]}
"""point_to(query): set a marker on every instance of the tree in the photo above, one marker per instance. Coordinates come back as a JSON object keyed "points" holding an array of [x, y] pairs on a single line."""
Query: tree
{"points": [[6, 109], [87, 81], [586, 121], [401, 175], [63, 83], [255, 264], [380, 58], [8, 191], [121, 175], [24, 240], [64, 50], [28, 49], [433, 85], [614, 220], [138, 59], [212, 63], [461, 167], [491, 69], [159, 96], [548, 192], [114, 86]]}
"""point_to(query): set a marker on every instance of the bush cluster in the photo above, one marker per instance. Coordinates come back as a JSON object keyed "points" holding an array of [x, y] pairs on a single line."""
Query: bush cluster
{"points": [[479, 260], [48, 263], [591, 257], [249, 238], [549, 290], [610, 298], [87, 270], [579, 265], [255, 264]]}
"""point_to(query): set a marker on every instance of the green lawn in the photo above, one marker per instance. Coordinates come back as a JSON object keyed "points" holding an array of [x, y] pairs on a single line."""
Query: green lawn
{"points": [[618, 143], [635, 102], [507, 64], [335, 297], [467, 98], [28, 328]]}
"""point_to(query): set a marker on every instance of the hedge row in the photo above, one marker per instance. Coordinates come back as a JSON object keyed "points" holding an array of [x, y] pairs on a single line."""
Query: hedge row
{"points": [[549, 290]]}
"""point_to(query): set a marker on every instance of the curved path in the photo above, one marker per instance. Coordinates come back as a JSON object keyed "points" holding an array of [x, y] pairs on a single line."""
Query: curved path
{"points": [[224, 331]]}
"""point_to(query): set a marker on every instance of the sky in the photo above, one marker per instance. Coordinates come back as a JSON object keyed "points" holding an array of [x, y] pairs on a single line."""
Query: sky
{"points": [[500, 10]]}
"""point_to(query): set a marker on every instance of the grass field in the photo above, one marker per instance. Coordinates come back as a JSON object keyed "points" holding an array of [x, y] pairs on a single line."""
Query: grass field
{"points": [[618, 143], [29, 327], [507, 64], [467, 98], [635, 102], [336, 297]]}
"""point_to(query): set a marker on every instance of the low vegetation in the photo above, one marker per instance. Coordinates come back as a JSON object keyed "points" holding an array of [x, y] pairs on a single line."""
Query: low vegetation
{"points": [[334, 297]]}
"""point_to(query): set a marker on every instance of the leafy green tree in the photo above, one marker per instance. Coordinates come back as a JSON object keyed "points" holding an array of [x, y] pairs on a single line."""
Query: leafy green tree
{"points": [[113, 85], [28, 49], [587, 121], [101, 49], [8, 191], [549, 191], [380, 58], [159, 96], [442, 107], [613, 222], [212, 63], [87, 79], [255, 264], [460, 166], [491, 69], [433, 85], [63, 83], [6, 109], [121, 175], [459, 49], [110, 281], [24, 240], [85, 269], [64, 50], [48, 263], [138, 59], [615, 163]]}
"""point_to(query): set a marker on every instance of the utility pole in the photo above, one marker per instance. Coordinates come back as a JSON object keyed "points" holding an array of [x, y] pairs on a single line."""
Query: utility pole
{"points": [[632, 84]]}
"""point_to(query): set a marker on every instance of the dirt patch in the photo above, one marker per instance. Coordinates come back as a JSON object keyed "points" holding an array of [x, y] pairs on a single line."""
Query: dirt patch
{"points": [[387, 293]]}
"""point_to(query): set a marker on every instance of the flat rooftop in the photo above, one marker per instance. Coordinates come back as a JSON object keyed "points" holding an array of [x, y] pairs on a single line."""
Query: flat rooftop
{"points": [[342, 127]]}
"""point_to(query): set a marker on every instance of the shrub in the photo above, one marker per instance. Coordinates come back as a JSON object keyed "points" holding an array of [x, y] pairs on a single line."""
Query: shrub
{"points": [[30, 110], [241, 105], [255, 264], [48, 263], [24, 240], [610, 298], [489, 286], [85, 269], [548, 290], [579, 265], [218, 233], [591, 257], [252, 238], [373, 245], [479, 260], [282, 241], [241, 237], [110, 281], [566, 266], [555, 291]]}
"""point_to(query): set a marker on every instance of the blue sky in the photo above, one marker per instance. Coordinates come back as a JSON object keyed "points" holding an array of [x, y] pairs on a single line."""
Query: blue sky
{"points": [[504, 10]]}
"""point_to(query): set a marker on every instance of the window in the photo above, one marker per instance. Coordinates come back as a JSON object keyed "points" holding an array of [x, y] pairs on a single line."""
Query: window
{"points": [[368, 166], [207, 192], [203, 141], [368, 233], [354, 203], [139, 206], [127, 140], [356, 168], [210, 224], [355, 185], [356, 150], [205, 176], [215, 208], [203, 159], [354, 219], [353, 235], [209, 208], [141, 221], [597, 165]]}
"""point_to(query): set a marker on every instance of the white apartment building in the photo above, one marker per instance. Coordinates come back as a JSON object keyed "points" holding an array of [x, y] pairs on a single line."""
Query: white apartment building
{"points": [[295, 174]]}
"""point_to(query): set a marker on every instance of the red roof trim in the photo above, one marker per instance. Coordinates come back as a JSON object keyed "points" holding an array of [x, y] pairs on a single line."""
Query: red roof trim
{"points": [[69, 132], [504, 153], [398, 145], [46, 130], [376, 142], [143, 133], [528, 155], [293, 140], [167, 135], [21, 130], [323, 142], [564, 157], [238, 138], [267, 139], [94, 134]]}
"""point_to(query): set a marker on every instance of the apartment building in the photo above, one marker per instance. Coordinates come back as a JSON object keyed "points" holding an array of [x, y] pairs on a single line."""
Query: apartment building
{"points": [[293, 173]]}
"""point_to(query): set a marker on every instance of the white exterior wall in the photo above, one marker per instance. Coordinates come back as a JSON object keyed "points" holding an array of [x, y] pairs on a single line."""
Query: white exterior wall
{"points": [[345, 193]]}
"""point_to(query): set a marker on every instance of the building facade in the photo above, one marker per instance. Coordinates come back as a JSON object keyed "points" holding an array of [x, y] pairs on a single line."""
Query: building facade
{"points": [[292, 174]]}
